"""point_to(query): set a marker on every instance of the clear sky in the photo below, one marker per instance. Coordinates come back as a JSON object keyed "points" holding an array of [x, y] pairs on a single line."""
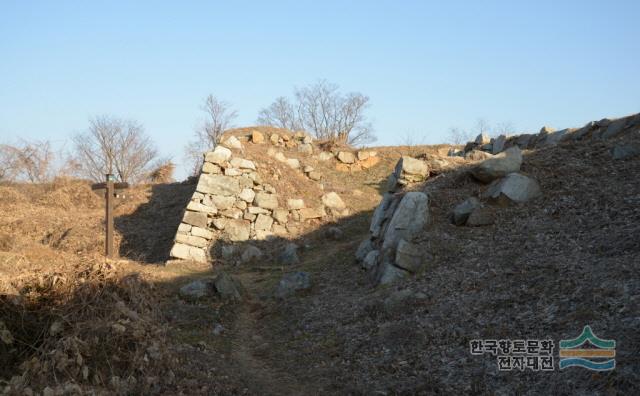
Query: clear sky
{"points": [[426, 66]]}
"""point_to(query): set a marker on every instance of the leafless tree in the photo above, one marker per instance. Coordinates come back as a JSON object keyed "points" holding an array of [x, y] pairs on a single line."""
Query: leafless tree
{"points": [[322, 110], [458, 136], [28, 160], [505, 128], [281, 113], [219, 118], [482, 126], [113, 145]]}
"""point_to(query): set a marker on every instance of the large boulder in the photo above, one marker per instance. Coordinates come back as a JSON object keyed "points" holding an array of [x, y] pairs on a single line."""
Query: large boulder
{"points": [[364, 248], [498, 166], [624, 151], [409, 256], [408, 219], [218, 185], [461, 212], [291, 283], [515, 187], [615, 128], [333, 201], [498, 144], [379, 215]]}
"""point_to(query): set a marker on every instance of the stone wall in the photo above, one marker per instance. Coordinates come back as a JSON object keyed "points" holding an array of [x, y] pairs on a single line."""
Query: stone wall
{"points": [[234, 202]]}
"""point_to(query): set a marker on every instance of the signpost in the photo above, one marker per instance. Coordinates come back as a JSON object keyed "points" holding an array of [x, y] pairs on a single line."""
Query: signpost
{"points": [[110, 188]]}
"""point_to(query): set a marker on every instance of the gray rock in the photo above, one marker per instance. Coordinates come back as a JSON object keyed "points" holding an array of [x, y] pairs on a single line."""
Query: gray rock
{"points": [[524, 140], [227, 287], [378, 215], [197, 289], [615, 128], [334, 233], [346, 157], [624, 151], [412, 166], [480, 217], [515, 187], [218, 156], [582, 132], [546, 130], [498, 144], [250, 253], [389, 273], [371, 260], [291, 283], [197, 219], [218, 185], [500, 165], [237, 230], [364, 248], [409, 256], [266, 200], [477, 155], [289, 255], [408, 219], [553, 138], [461, 212], [333, 201]]}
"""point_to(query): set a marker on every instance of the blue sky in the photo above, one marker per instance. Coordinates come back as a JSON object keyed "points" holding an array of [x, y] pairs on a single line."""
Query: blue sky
{"points": [[426, 66]]}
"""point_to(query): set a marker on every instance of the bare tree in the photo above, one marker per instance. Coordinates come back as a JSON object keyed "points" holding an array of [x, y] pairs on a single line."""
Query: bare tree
{"points": [[116, 146], [219, 118], [482, 126], [505, 128], [458, 136], [322, 110], [28, 160], [281, 114]]}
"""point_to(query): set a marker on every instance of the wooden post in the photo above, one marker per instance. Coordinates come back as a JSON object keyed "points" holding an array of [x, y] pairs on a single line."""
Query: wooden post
{"points": [[109, 195]]}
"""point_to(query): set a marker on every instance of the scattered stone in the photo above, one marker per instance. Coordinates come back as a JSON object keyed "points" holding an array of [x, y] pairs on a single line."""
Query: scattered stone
{"points": [[228, 287], [408, 219], [461, 212], [312, 213], [477, 155], [500, 165], [333, 201], [295, 203], [498, 144], [289, 255], [515, 187], [242, 163], [325, 156], [257, 137], [364, 249], [409, 256], [237, 230], [250, 253], [389, 273], [197, 289], [291, 283], [315, 176], [480, 217], [370, 260], [307, 169], [293, 163], [218, 156], [280, 157], [266, 200], [334, 233], [305, 149], [624, 151], [346, 157], [232, 142]]}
